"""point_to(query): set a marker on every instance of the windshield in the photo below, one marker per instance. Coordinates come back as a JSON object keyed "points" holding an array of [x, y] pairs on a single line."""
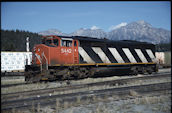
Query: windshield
{"points": [[49, 42], [56, 42], [46, 42]]}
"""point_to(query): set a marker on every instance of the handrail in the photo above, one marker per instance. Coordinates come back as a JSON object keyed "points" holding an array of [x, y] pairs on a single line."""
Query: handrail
{"points": [[39, 60], [43, 55]]}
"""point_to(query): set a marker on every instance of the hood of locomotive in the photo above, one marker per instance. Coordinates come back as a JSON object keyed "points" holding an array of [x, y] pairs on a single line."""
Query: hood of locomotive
{"points": [[43, 54], [40, 54]]}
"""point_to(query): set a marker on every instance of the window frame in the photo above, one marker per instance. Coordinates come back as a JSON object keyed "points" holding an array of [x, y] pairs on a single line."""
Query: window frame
{"points": [[56, 44], [68, 42]]}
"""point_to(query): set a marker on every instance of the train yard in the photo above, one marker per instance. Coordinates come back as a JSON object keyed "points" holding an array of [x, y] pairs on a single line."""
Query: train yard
{"points": [[72, 93], [74, 74]]}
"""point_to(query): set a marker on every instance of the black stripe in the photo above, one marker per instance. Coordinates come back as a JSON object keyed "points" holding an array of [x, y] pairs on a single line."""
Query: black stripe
{"points": [[120, 51], [81, 60], [133, 52], [146, 55], [109, 55], [92, 54], [122, 54]]}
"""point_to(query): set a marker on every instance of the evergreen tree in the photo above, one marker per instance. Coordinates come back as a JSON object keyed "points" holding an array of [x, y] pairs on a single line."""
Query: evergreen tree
{"points": [[15, 40]]}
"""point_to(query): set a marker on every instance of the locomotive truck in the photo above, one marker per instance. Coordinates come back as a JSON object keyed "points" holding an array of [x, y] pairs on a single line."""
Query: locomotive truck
{"points": [[76, 57]]}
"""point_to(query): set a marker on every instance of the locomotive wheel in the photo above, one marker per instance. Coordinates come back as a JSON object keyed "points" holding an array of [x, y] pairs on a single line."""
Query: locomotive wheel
{"points": [[149, 71], [142, 70], [32, 77], [28, 77], [83, 73], [134, 71], [76, 73]]}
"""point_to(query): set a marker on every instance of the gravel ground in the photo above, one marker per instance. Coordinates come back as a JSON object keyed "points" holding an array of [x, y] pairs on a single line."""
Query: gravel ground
{"points": [[139, 105], [146, 104]]}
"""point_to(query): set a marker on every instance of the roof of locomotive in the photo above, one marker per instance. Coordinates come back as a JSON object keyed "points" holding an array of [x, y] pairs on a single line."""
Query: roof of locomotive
{"points": [[93, 39], [104, 40]]}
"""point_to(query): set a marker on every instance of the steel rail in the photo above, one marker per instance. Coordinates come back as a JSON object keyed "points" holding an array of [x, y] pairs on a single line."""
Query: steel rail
{"points": [[41, 92], [46, 100], [17, 84]]}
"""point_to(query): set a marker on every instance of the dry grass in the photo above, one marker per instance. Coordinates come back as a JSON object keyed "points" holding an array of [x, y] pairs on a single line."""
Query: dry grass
{"points": [[78, 100], [150, 100], [133, 93], [66, 105], [71, 111], [124, 106], [101, 109], [38, 108], [33, 108], [13, 110], [94, 98], [57, 105]]}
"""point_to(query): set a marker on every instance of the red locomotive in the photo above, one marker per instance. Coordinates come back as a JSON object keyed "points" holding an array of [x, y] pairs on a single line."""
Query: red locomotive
{"points": [[62, 57]]}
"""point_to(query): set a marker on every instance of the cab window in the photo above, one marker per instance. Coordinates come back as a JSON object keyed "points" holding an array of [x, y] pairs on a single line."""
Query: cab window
{"points": [[66, 43], [56, 42], [48, 42]]}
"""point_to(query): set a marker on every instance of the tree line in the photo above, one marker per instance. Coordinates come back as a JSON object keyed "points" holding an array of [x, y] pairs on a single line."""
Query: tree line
{"points": [[15, 40]]}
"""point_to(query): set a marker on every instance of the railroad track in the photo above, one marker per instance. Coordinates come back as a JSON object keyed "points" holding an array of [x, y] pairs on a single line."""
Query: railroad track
{"points": [[50, 91], [51, 100], [9, 74], [16, 84], [24, 83]]}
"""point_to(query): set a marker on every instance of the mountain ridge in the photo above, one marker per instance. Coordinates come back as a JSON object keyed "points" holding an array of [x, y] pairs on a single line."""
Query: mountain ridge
{"points": [[138, 31]]}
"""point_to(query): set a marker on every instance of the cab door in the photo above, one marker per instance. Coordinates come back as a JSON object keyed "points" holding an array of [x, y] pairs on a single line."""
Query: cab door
{"points": [[66, 51], [75, 52]]}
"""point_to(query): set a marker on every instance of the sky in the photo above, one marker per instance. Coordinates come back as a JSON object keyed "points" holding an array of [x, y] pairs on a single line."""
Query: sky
{"points": [[71, 16]]}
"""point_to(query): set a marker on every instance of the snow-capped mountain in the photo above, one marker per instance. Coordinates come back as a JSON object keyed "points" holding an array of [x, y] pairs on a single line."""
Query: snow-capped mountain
{"points": [[139, 31], [99, 33], [52, 32]]}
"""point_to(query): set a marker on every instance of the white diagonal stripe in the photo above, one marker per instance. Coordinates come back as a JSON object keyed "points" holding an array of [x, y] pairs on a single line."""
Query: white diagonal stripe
{"points": [[141, 55], [101, 54], [151, 55], [116, 55], [129, 55], [85, 56]]}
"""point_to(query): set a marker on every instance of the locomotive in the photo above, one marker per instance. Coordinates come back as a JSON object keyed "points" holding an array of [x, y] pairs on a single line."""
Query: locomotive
{"points": [[77, 57]]}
